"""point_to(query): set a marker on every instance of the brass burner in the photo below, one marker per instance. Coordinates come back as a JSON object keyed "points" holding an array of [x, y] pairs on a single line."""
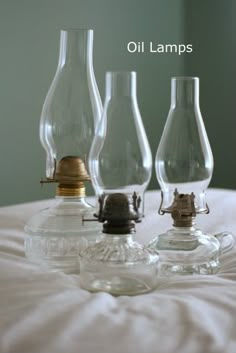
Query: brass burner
{"points": [[75, 189], [70, 173], [71, 169]]}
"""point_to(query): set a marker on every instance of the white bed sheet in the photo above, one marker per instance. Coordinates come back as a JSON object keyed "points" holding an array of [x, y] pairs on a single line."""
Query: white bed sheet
{"points": [[45, 312]]}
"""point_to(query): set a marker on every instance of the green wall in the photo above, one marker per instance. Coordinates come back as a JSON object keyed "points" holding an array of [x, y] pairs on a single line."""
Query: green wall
{"points": [[209, 26], [29, 44]]}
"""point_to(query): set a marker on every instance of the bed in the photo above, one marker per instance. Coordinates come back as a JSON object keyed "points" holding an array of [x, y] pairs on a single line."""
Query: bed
{"points": [[47, 312]]}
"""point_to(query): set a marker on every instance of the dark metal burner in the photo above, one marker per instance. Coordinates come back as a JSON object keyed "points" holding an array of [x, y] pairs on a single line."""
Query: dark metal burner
{"points": [[118, 213]]}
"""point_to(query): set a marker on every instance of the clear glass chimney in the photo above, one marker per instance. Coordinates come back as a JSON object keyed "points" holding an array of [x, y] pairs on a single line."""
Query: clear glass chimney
{"points": [[120, 157], [73, 106], [184, 159]]}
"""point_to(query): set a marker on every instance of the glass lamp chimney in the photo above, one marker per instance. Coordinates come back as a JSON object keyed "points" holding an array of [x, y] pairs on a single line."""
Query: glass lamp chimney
{"points": [[71, 110], [120, 159], [184, 159]]}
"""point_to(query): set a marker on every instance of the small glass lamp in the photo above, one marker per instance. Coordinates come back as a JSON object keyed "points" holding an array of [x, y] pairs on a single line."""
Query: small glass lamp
{"points": [[120, 164], [69, 117], [184, 167]]}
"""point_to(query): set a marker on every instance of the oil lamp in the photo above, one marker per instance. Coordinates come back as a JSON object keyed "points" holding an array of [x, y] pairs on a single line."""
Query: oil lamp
{"points": [[184, 167], [120, 164], [69, 117]]}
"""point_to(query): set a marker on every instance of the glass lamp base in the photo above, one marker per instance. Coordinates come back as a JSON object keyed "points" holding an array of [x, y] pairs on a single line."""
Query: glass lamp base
{"points": [[187, 251], [55, 235], [119, 266], [58, 253]]}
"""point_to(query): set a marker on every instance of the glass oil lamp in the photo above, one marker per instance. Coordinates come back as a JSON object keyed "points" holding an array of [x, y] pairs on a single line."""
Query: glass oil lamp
{"points": [[184, 167], [69, 117], [120, 164]]}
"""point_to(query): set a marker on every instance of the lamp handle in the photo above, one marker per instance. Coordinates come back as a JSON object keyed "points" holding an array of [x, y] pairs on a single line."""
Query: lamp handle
{"points": [[226, 240]]}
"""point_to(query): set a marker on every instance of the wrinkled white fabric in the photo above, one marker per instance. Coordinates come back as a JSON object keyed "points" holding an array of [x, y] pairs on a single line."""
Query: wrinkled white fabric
{"points": [[46, 312]]}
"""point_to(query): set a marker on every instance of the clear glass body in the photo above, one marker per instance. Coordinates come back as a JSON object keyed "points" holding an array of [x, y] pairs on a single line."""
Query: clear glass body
{"points": [[55, 235], [118, 265], [73, 106], [184, 158], [187, 251], [120, 158]]}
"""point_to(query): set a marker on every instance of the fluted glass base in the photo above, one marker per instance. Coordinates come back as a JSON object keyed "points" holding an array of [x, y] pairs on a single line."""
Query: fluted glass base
{"points": [[56, 235], [187, 251], [119, 266]]}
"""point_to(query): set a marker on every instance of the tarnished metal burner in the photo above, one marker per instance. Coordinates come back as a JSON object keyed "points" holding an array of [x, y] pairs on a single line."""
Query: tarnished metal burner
{"points": [[119, 213], [183, 210]]}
